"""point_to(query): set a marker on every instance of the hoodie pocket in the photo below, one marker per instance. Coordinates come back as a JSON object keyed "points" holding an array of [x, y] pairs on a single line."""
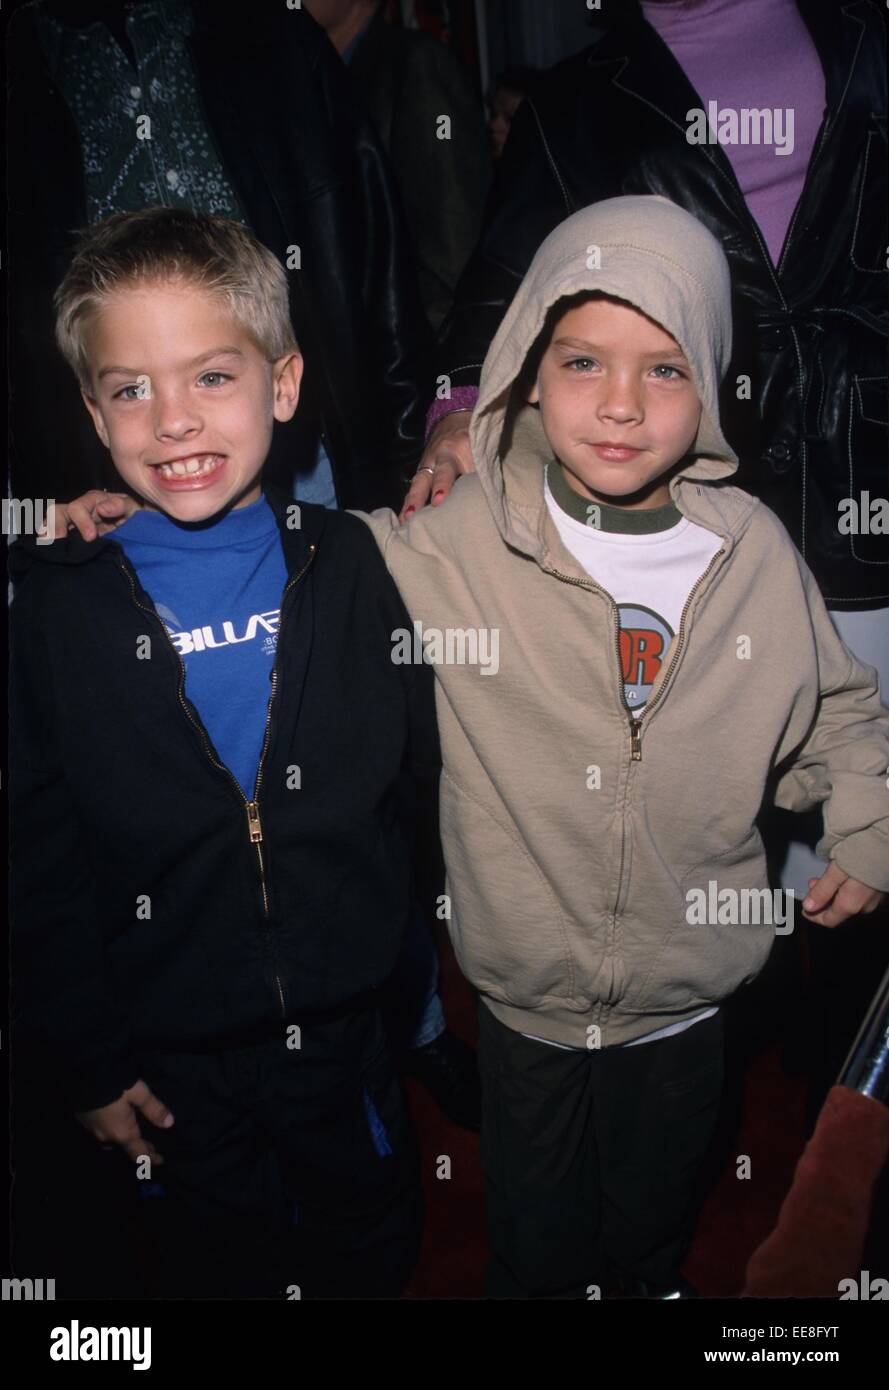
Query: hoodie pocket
{"points": [[507, 928], [704, 959]]}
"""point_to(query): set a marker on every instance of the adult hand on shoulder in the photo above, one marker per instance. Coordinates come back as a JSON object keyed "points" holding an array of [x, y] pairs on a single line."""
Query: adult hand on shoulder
{"points": [[94, 513], [835, 897], [446, 458], [118, 1122]]}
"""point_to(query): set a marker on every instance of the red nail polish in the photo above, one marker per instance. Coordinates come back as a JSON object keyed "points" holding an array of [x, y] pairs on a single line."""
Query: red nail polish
{"points": [[408, 510], [439, 493]]}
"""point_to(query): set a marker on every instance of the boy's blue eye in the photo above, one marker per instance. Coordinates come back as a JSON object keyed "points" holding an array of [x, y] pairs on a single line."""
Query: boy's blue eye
{"points": [[121, 394], [585, 364], [221, 377]]}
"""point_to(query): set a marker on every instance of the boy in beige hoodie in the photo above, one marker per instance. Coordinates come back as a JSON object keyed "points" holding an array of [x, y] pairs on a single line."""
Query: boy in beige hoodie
{"points": [[631, 656]]}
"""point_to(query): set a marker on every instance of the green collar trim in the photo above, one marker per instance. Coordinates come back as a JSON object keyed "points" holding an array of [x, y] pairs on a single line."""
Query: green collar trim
{"points": [[604, 517]]}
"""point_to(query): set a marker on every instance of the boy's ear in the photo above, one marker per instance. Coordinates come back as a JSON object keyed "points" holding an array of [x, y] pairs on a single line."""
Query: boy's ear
{"points": [[287, 374], [533, 396], [96, 414]]}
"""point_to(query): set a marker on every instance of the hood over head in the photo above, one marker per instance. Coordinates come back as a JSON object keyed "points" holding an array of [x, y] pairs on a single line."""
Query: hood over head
{"points": [[649, 252]]}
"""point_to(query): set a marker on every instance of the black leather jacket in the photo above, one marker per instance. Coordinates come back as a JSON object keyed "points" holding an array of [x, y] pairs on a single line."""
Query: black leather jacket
{"points": [[308, 172], [405, 80], [810, 333]]}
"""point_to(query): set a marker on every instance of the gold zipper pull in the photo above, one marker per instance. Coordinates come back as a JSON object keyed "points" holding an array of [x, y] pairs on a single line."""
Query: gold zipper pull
{"points": [[253, 822], [636, 739]]}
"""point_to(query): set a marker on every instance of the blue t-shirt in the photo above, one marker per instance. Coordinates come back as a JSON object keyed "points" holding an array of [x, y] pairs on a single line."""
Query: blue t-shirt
{"points": [[218, 592]]}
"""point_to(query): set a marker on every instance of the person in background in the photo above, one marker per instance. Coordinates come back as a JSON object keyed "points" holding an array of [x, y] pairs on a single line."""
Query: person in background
{"points": [[408, 83], [117, 106], [507, 92]]}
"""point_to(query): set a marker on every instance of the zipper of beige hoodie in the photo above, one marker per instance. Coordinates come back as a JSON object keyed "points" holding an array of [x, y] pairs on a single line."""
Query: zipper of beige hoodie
{"points": [[636, 724]]}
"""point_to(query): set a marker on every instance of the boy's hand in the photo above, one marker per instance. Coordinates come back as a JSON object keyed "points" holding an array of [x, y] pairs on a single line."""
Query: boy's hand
{"points": [[835, 897], [448, 455], [94, 514], [117, 1123]]}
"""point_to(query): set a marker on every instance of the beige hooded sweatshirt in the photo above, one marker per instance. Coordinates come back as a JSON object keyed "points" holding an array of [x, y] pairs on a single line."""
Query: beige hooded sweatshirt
{"points": [[575, 835]]}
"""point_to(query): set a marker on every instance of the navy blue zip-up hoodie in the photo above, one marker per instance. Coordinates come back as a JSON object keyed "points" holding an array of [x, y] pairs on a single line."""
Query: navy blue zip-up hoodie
{"points": [[152, 904]]}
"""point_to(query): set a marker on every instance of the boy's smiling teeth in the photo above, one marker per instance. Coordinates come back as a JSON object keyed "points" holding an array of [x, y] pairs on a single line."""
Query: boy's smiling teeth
{"points": [[190, 467]]}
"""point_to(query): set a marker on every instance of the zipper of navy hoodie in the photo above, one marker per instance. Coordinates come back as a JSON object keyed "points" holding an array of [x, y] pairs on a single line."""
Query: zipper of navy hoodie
{"points": [[254, 824]]}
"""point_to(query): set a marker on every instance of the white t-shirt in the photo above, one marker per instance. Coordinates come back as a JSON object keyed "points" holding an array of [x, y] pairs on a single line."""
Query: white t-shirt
{"points": [[650, 577]]}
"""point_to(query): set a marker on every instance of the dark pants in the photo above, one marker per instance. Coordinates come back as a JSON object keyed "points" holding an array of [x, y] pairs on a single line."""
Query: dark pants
{"points": [[288, 1172], [591, 1158]]}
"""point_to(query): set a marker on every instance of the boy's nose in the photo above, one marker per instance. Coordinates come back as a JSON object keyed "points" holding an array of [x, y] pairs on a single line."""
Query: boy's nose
{"points": [[622, 404], [174, 419]]}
